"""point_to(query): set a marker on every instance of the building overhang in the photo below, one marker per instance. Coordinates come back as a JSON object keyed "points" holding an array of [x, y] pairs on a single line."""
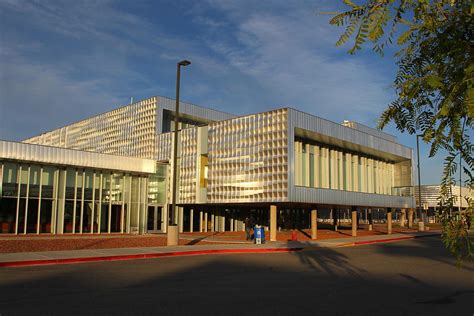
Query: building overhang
{"points": [[69, 157]]}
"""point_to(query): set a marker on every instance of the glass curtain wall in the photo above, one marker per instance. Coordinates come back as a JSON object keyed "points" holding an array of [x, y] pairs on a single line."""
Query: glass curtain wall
{"points": [[37, 199], [320, 166]]}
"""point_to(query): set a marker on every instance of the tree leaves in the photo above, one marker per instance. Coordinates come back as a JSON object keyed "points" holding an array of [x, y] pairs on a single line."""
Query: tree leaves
{"points": [[434, 85]]}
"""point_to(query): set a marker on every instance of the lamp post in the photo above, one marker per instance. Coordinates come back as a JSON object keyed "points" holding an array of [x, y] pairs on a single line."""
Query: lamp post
{"points": [[172, 232], [423, 218]]}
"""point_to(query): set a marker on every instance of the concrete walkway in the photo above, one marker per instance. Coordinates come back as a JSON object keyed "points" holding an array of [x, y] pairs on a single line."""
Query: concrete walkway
{"points": [[94, 255]]}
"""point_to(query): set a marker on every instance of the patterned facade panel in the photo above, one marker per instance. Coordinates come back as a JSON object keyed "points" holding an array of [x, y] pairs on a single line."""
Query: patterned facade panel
{"points": [[163, 147], [248, 159], [129, 131], [188, 165]]}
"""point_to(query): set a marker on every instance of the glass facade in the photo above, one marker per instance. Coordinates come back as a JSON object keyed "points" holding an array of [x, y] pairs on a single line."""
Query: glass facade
{"points": [[320, 166], [37, 199]]}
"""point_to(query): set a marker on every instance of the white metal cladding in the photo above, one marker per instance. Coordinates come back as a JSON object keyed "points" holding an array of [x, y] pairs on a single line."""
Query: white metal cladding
{"points": [[163, 146], [371, 131], [333, 130], [69, 157], [206, 114], [337, 197], [187, 165], [129, 130], [430, 194], [248, 159], [297, 119]]}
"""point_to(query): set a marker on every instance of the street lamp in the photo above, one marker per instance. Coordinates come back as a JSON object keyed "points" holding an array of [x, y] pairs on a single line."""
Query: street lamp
{"points": [[172, 233], [423, 218]]}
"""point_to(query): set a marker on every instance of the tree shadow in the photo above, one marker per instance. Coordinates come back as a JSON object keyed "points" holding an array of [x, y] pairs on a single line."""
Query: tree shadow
{"points": [[197, 240], [324, 259]]}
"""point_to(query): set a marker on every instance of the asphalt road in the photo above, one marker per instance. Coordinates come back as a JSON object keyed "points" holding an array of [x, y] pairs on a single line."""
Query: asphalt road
{"points": [[416, 277]]}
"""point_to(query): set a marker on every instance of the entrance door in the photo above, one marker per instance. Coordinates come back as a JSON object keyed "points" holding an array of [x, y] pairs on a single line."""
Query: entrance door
{"points": [[154, 218]]}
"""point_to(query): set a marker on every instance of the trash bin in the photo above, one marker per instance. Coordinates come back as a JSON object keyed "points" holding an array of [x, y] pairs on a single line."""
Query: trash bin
{"points": [[259, 235]]}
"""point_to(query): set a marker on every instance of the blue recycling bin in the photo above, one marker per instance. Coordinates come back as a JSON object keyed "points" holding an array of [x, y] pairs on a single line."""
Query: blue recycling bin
{"points": [[259, 233]]}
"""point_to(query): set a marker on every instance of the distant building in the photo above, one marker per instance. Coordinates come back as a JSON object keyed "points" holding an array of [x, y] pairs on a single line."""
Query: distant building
{"points": [[112, 172], [430, 197]]}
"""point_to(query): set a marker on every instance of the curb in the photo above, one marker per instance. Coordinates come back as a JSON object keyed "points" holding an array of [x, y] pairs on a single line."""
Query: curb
{"points": [[26, 263]]}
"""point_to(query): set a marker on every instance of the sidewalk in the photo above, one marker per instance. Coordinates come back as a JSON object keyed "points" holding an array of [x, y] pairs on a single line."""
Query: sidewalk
{"points": [[95, 255]]}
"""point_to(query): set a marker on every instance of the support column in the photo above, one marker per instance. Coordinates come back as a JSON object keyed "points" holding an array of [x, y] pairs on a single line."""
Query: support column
{"points": [[354, 221], [231, 224], [369, 213], [335, 216], [212, 222], [180, 218], [206, 222], [273, 222], [403, 217], [191, 220], [201, 228], [389, 220], [410, 218], [314, 224], [222, 223]]}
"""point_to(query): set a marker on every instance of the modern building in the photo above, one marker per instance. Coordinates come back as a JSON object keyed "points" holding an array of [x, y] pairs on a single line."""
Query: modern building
{"points": [[430, 197], [111, 173]]}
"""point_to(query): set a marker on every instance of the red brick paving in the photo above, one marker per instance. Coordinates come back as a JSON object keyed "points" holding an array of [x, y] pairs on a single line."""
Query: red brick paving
{"points": [[304, 235], [33, 243], [54, 243]]}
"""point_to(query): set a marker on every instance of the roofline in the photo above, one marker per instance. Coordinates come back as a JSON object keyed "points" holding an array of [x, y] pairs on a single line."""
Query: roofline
{"points": [[118, 108]]}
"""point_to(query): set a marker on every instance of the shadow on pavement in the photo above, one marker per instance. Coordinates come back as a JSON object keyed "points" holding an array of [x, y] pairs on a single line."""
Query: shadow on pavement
{"points": [[367, 280]]}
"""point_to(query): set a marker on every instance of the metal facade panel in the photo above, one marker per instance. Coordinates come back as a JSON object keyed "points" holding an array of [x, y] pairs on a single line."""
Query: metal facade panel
{"points": [[164, 148], [207, 114], [369, 130], [337, 197], [69, 157], [333, 130], [187, 166], [129, 130], [431, 193], [248, 159]]}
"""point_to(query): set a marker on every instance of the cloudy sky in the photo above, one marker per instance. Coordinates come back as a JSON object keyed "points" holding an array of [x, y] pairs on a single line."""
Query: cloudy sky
{"points": [[61, 61]]}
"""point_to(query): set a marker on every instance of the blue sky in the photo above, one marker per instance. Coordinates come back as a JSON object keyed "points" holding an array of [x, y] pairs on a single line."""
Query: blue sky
{"points": [[61, 61]]}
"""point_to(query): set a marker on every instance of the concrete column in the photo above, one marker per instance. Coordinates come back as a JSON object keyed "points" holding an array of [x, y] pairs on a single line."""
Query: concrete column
{"points": [[205, 222], [314, 224], [231, 224], [273, 222], [369, 213], [335, 216], [354, 221], [222, 224], [180, 218], [191, 220], [389, 221], [410, 218], [172, 236], [212, 222], [403, 217], [201, 228]]}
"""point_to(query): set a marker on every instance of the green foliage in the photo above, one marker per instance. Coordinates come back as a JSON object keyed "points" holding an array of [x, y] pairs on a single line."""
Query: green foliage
{"points": [[434, 85]]}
